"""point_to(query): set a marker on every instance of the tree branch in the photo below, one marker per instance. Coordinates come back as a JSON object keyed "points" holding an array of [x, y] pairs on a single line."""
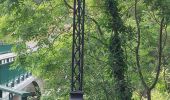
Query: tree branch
{"points": [[66, 3], [137, 48], [160, 54]]}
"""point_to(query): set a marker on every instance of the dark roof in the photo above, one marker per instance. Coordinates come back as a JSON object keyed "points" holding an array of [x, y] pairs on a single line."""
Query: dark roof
{"points": [[7, 74], [5, 48]]}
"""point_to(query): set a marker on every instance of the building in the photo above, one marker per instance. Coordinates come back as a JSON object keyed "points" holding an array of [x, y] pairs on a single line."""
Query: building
{"points": [[7, 74], [14, 82]]}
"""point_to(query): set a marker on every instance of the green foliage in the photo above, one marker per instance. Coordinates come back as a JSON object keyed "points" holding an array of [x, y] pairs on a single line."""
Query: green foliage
{"points": [[110, 69]]}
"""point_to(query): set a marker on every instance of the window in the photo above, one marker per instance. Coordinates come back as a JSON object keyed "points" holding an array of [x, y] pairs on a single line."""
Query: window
{"points": [[3, 61], [10, 59], [7, 60]]}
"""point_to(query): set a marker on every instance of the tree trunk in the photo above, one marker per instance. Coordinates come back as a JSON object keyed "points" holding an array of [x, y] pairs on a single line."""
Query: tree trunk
{"points": [[149, 94]]}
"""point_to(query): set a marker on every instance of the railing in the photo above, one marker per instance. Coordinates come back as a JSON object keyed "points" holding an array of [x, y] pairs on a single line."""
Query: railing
{"points": [[13, 93], [18, 80], [11, 78]]}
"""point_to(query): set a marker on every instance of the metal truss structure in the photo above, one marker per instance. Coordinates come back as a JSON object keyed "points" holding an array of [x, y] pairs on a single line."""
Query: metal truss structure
{"points": [[77, 50]]}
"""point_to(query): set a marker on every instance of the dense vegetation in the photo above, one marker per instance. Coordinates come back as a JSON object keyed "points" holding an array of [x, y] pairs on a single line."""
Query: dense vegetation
{"points": [[127, 46]]}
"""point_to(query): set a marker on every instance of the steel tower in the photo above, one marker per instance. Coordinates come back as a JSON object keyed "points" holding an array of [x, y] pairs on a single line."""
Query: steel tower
{"points": [[77, 50]]}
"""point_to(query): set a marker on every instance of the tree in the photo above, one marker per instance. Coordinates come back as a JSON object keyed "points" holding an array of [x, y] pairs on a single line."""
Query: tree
{"points": [[117, 58], [151, 86], [110, 70]]}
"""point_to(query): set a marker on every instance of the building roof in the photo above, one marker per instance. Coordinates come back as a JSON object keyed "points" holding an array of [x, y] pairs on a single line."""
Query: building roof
{"points": [[5, 49]]}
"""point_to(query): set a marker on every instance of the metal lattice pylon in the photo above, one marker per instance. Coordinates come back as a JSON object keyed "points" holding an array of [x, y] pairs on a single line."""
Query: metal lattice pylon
{"points": [[77, 50]]}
